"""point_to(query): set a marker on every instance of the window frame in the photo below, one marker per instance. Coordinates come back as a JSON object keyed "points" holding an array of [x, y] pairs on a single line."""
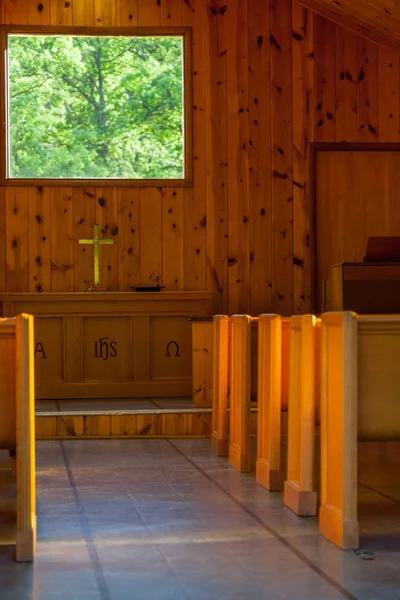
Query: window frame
{"points": [[184, 32]]}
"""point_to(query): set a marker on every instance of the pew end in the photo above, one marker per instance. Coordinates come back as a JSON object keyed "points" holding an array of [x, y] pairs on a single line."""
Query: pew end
{"points": [[17, 430], [299, 489], [339, 402], [240, 393], [271, 353], [220, 395]]}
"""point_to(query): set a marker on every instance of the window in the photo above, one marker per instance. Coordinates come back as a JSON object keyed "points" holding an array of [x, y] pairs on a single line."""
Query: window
{"points": [[103, 107]]}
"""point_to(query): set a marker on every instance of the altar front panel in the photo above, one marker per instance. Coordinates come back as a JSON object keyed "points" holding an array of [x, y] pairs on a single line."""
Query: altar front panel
{"points": [[111, 345]]}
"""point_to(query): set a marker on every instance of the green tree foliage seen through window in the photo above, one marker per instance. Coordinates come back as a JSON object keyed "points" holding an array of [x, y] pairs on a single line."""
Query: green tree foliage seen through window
{"points": [[95, 107]]}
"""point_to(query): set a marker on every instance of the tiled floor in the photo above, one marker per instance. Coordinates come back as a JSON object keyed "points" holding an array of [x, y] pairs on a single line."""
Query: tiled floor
{"points": [[157, 519]]}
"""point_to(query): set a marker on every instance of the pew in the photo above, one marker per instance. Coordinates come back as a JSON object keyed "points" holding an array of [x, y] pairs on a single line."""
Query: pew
{"points": [[360, 390], [219, 425], [17, 422], [273, 369], [240, 392], [221, 381], [299, 489]]}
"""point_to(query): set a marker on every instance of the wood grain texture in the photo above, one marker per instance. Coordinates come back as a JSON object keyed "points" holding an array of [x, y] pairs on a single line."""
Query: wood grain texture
{"points": [[303, 132], [3, 241], [256, 56], [105, 13], [346, 88], [325, 81], [15, 12], [60, 12], [39, 205], [17, 242], [172, 239], [107, 220], [84, 220], [367, 91], [39, 12], [129, 238], [149, 12], [127, 12], [217, 156], [83, 12], [62, 247], [260, 226], [389, 94], [238, 158], [150, 236], [282, 157], [377, 20], [171, 12], [195, 224]]}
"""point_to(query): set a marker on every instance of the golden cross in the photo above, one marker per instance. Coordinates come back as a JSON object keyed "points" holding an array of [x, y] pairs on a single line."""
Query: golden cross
{"points": [[96, 242]]}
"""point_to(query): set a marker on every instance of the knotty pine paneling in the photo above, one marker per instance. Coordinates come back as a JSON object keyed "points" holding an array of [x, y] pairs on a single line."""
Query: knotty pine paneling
{"points": [[268, 78]]}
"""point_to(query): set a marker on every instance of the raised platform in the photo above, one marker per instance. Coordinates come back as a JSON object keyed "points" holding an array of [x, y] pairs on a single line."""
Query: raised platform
{"points": [[123, 418]]}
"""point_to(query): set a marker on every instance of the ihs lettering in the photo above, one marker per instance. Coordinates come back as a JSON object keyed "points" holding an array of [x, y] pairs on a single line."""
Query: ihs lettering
{"points": [[105, 349]]}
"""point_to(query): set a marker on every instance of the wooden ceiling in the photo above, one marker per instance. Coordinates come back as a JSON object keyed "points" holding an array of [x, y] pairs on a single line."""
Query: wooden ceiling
{"points": [[377, 20]]}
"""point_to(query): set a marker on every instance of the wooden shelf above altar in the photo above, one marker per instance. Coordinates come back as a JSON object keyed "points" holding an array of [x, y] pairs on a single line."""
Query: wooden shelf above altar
{"points": [[111, 344]]}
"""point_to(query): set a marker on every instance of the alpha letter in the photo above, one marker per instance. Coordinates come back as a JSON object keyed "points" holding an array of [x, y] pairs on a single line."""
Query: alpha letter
{"points": [[40, 349]]}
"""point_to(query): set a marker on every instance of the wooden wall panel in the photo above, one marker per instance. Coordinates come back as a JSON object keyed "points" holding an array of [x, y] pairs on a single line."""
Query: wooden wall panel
{"points": [[282, 157], [127, 12], [107, 219], [15, 12], [83, 12], [259, 157], [346, 89], [325, 89], [171, 12], [62, 244], [195, 225], [3, 258], [217, 155], [367, 91], [238, 158], [150, 236], [172, 239], [39, 13], [39, 209], [129, 238], [268, 77], [303, 135], [389, 94], [84, 220], [105, 13], [60, 12], [17, 242], [149, 12]]}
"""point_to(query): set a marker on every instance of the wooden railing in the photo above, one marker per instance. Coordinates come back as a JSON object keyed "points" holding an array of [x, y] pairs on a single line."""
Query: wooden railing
{"points": [[17, 422]]}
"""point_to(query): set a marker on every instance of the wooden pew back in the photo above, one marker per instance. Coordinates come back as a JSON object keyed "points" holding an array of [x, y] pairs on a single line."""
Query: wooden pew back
{"points": [[299, 492], [8, 427], [378, 340], [17, 419], [240, 391], [219, 427]]}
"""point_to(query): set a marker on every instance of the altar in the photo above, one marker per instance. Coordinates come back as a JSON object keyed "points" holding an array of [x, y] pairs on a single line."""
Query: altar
{"points": [[111, 344]]}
